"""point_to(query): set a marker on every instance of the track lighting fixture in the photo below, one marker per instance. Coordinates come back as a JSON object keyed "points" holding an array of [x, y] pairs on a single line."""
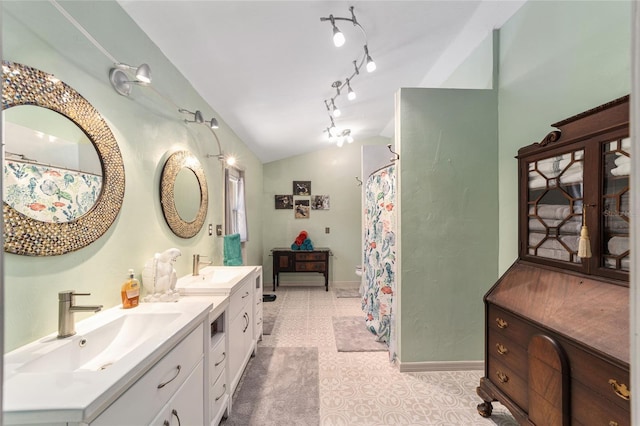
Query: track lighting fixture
{"points": [[365, 60], [199, 119], [121, 81]]}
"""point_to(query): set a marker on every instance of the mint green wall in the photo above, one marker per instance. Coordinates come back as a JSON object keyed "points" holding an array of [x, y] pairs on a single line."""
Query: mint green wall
{"points": [[448, 220], [147, 128], [332, 172], [557, 58]]}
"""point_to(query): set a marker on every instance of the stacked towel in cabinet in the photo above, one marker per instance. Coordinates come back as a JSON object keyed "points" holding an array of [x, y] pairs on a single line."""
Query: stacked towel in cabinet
{"points": [[622, 161], [559, 166], [560, 244]]}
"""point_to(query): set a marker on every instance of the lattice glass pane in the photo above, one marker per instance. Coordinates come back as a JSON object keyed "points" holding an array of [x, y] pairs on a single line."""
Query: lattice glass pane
{"points": [[615, 202], [555, 206]]}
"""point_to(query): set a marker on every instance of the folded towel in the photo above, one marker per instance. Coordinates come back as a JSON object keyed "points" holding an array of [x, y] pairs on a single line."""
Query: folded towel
{"points": [[554, 211], [294, 246], [622, 170], [626, 144], [232, 250], [618, 245], [570, 227], [570, 241], [621, 159]]}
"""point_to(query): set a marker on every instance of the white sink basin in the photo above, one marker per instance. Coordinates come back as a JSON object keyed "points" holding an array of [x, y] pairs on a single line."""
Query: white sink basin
{"points": [[100, 348], [213, 278], [71, 379]]}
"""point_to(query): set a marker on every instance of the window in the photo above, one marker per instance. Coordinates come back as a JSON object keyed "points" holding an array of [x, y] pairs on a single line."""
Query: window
{"points": [[235, 211]]}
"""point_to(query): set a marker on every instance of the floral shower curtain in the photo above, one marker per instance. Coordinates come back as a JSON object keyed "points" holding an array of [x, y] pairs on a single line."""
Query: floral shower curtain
{"points": [[379, 269]]}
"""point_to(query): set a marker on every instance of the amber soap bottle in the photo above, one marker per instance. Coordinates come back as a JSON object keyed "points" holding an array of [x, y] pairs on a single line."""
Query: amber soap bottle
{"points": [[130, 292]]}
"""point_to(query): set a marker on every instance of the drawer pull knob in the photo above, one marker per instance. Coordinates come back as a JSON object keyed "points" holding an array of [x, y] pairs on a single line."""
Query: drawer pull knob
{"points": [[501, 323], [174, 412], [161, 385], [620, 389], [613, 423], [224, 390], [224, 356], [502, 350], [502, 377]]}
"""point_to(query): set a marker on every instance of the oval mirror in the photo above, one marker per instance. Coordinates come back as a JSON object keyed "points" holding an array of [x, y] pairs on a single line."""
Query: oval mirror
{"points": [[34, 92], [184, 194], [52, 172]]}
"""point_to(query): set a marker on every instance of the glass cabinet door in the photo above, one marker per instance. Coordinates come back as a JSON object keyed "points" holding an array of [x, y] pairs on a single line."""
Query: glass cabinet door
{"points": [[615, 201], [555, 198]]}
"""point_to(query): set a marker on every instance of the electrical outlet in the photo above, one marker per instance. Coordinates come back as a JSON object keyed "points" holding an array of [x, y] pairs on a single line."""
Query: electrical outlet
{"points": [[326, 230]]}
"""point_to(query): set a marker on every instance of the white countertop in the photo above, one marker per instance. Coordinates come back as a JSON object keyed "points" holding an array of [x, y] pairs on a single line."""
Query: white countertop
{"points": [[219, 280], [76, 396]]}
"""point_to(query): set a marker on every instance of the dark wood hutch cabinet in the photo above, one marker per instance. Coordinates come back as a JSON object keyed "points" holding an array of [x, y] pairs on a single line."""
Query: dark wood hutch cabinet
{"points": [[557, 322]]}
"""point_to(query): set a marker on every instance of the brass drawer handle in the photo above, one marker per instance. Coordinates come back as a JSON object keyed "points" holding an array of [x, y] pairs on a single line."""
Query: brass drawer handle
{"points": [[501, 323], [502, 350], [620, 389], [502, 377]]}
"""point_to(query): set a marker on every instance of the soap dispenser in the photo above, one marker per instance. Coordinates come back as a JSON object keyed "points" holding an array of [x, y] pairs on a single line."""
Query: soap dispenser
{"points": [[130, 292]]}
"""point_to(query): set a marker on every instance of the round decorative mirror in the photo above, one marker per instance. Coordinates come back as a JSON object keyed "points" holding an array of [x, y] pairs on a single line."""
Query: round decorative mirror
{"points": [[63, 173], [184, 194]]}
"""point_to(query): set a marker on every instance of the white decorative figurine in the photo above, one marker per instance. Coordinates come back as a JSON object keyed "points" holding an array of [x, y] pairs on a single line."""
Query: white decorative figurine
{"points": [[159, 277]]}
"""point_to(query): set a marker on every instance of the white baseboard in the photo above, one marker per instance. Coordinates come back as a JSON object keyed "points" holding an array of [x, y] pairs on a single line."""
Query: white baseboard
{"points": [[416, 367], [332, 284]]}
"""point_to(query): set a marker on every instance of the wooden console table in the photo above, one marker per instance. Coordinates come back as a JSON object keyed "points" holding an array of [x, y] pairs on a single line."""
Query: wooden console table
{"points": [[287, 260]]}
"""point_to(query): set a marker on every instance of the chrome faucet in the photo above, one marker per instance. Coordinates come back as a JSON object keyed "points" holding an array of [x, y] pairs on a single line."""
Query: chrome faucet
{"points": [[197, 263], [66, 308]]}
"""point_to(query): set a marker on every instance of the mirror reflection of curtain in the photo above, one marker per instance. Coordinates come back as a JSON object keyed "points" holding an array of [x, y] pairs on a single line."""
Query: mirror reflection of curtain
{"points": [[235, 206]]}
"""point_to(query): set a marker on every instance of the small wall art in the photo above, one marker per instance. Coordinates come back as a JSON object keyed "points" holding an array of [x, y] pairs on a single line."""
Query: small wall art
{"points": [[320, 202], [301, 187], [284, 202], [302, 210]]}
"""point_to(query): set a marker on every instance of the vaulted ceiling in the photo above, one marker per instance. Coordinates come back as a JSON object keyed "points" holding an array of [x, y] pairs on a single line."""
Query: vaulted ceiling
{"points": [[266, 67]]}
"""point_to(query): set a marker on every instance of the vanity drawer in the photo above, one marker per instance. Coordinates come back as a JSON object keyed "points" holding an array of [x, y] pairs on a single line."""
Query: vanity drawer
{"points": [[149, 398], [511, 354], [239, 299], [218, 396], [589, 408], [514, 386], [596, 374], [510, 326], [217, 361]]}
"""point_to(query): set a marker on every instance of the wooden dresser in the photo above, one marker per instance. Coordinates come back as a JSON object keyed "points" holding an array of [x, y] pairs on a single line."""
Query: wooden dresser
{"points": [[557, 322], [287, 260]]}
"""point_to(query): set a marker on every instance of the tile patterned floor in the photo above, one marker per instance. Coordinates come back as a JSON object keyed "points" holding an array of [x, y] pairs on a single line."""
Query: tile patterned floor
{"points": [[364, 388]]}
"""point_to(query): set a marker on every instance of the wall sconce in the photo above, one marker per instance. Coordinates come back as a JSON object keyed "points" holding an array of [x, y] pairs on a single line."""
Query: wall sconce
{"points": [[365, 60], [197, 118], [121, 81]]}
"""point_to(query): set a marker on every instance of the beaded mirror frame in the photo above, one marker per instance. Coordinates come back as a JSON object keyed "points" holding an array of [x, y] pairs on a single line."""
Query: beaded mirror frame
{"points": [[24, 85], [175, 163]]}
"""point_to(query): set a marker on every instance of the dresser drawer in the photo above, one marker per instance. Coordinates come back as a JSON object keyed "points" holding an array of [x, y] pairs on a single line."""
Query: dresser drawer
{"points": [[311, 266], [514, 386], [217, 361], [311, 257], [596, 374], [218, 396], [589, 408], [510, 326], [512, 355]]}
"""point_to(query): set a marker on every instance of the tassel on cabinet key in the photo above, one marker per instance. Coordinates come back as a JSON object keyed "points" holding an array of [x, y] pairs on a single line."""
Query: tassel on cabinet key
{"points": [[584, 244]]}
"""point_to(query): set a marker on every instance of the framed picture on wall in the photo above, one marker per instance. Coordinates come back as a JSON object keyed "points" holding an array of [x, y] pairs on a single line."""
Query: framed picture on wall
{"points": [[301, 187], [302, 209], [284, 202], [320, 202]]}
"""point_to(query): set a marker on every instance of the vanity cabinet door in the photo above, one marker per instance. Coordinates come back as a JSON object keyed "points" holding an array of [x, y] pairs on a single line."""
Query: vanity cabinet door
{"points": [[186, 406]]}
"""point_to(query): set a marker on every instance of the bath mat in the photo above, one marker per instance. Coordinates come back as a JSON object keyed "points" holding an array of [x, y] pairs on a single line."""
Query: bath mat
{"points": [[351, 335], [347, 292], [280, 387]]}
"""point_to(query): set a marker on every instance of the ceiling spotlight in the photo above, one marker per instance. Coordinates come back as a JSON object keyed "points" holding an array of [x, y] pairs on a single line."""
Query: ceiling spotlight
{"points": [[213, 123], [351, 95], [121, 81], [335, 110], [338, 37], [371, 66]]}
